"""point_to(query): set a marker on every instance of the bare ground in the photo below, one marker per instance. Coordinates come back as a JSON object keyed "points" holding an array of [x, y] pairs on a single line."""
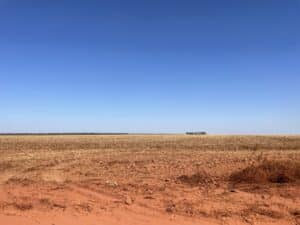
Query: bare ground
{"points": [[166, 179]]}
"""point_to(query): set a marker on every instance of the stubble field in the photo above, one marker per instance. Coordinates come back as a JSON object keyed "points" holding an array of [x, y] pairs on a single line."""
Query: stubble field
{"points": [[149, 179]]}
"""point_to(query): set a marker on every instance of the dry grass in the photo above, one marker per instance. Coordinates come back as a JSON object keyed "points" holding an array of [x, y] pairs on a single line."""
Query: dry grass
{"points": [[197, 179], [269, 171], [152, 142]]}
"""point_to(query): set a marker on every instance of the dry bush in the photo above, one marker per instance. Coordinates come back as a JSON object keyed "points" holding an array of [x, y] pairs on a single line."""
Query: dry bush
{"points": [[196, 179], [268, 172]]}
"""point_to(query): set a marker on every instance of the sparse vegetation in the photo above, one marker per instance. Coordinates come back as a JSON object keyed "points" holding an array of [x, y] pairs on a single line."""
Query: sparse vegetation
{"points": [[197, 176], [269, 171]]}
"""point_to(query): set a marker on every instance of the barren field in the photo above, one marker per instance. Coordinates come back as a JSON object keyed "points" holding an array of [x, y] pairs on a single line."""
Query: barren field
{"points": [[149, 179]]}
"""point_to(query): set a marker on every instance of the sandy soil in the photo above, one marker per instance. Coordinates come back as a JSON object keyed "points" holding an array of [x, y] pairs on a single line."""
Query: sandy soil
{"points": [[168, 179]]}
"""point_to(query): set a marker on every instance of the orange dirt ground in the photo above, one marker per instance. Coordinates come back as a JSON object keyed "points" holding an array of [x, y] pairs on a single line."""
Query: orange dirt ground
{"points": [[149, 179]]}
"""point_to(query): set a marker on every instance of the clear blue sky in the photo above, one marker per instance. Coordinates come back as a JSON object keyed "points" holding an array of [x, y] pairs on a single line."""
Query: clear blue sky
{"points": [[150, 66]]}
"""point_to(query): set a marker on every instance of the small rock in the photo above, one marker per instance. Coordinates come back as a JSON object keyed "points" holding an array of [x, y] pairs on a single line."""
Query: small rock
{"points": [[149, 197], [128, 200], [111, 183], [171, 208]]}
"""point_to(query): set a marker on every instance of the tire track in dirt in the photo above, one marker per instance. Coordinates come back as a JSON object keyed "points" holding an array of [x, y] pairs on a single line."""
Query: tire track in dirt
{"points": [[130, 214], [92, 194], [100, 196], [137, 207], [49, 172]]}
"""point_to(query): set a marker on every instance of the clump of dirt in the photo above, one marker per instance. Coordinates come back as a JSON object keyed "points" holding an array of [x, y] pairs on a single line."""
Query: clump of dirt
{"points": [[268, 172], [118, 162], [20, 181], [5, 166], [22, 206], [50, 204], [196, 179], [83, 207]]}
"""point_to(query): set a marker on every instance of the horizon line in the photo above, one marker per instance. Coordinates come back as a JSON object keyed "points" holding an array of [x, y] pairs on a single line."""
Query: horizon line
{"points": [[143, 133]]}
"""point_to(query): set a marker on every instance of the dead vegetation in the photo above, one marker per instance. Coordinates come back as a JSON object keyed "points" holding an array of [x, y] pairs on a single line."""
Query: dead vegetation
{"points": [[199, 178], [19, 181], [149, 142], [268, 171], [22, 206]]}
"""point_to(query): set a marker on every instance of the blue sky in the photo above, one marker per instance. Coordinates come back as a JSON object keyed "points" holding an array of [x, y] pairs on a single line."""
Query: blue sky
{"points": [[150, 66]]}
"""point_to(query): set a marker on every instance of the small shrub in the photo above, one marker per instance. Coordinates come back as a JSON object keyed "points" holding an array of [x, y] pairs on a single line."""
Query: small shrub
{"points": [[195, 179], [268, 172]]}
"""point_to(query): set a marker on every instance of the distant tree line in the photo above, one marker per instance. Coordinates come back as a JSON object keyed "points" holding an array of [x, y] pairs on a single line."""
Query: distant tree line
{"points": [[196, 133]]}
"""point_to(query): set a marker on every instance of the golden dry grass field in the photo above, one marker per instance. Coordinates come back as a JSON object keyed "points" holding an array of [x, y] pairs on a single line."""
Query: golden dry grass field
{"points": [[149, 179]]}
